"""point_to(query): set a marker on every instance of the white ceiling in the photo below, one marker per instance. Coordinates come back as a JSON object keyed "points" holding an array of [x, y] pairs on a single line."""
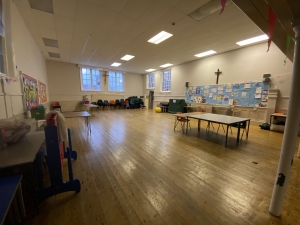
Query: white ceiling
{"points": [[100, 32]]}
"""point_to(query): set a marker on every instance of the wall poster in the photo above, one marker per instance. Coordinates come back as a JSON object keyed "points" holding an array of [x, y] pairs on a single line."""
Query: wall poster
{"points": [[243, 94], [42, 92], [30, 91]]}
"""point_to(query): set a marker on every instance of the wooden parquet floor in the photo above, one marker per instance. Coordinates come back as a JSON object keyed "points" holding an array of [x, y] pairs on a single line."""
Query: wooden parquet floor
{"points": [[135, 169]]}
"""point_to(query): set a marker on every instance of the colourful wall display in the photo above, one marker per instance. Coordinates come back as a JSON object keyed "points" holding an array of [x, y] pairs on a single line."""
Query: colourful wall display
{"points": [[243, 94], [30, 91], [42, 92]]}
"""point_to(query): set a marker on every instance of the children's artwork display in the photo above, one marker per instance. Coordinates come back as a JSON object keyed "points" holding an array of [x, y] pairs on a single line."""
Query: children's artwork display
{"points": [[243, 94], [42, 92], [30, 91]]}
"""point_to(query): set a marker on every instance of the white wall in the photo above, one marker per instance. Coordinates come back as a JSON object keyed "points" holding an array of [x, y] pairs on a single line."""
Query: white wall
{"points": [[25, 57], [243, 65], [64, 86]]}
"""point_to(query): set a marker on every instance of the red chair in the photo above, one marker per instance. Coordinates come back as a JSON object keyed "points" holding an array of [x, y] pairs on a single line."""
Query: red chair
{"points": [[56, 105], [112, 103], [182, 120]]}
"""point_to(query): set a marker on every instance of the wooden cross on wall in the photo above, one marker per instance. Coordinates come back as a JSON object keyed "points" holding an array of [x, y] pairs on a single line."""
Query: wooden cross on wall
{"points": [[105, 75], [218, 73]]}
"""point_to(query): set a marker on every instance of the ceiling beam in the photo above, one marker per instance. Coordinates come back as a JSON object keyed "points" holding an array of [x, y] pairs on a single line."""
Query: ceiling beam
{"points": [[257, 11]]}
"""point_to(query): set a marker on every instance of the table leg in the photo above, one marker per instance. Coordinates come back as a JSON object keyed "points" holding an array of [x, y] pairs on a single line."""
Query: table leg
{"points": [[248, 129], [21, 201], [15, 209], [238, 134], [175, 121], [187, 125], [199, 121], [88, 124], [226, 136]]}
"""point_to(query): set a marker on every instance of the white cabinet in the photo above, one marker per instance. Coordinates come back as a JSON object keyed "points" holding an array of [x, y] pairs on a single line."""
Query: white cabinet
{"points": [[277, 122]]}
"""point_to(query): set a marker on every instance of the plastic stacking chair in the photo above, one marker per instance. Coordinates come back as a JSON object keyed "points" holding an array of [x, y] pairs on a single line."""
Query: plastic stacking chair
{"points": [[123, 104], [182, 120], [56, 105], [100, 103], [112, 104], [118, 103], [127, 104], [242, 126], [106, 104]]}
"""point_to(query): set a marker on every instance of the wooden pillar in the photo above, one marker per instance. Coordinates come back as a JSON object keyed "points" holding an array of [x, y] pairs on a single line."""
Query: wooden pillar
{"points": [[290, 133]]}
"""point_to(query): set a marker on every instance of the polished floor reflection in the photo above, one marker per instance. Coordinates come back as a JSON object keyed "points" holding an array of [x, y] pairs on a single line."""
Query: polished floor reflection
{"points": [[135, 169]]}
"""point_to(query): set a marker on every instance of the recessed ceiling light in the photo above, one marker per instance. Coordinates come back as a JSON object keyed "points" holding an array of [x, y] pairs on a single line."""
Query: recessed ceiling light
{"points": [[253, 40], [150, 70], [127, 57], [54, 55], [116, 64], [166, 65], [160, 37], [210, 52]]}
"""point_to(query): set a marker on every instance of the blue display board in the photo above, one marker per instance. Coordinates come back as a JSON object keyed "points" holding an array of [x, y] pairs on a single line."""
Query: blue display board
{"points": [[243, 94]]}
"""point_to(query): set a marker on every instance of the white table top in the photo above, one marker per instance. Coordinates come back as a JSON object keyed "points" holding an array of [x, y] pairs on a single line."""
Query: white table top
{"points": [[282, 115], [188, 114], [76, 114], [91, 105], [22, 152], [217, 118]]}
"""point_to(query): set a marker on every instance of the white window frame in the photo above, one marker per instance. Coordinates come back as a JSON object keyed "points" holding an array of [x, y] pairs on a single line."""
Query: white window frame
{"points": [[116, 83], [91, 79], [148, 83], [3, 55], [164, 83]]}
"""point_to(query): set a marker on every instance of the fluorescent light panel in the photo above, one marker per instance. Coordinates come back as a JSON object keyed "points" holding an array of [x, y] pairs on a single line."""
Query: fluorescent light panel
{"points": [[166, 65], [160, 37], [210, 52], [150, 70], [127, 57], [253, 40], [116, 64]]}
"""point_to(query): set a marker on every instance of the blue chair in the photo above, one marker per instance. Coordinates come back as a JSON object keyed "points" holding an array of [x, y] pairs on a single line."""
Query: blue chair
{"points": [[106, 104]]}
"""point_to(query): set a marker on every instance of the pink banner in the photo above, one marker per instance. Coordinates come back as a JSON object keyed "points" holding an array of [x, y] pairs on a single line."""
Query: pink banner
{"points": [[223, 3]]}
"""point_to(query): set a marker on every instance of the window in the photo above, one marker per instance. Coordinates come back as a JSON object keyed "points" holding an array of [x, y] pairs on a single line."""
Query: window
{"points": [[2, 41], [90, 79], [116, 82], [166, 81], [150, 81], [2, 56]]}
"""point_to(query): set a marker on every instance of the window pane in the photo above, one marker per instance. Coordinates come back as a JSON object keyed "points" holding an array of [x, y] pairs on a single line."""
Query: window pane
{"points": [[2, 69], [166, 82], [1, 45], [115, 81]]}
